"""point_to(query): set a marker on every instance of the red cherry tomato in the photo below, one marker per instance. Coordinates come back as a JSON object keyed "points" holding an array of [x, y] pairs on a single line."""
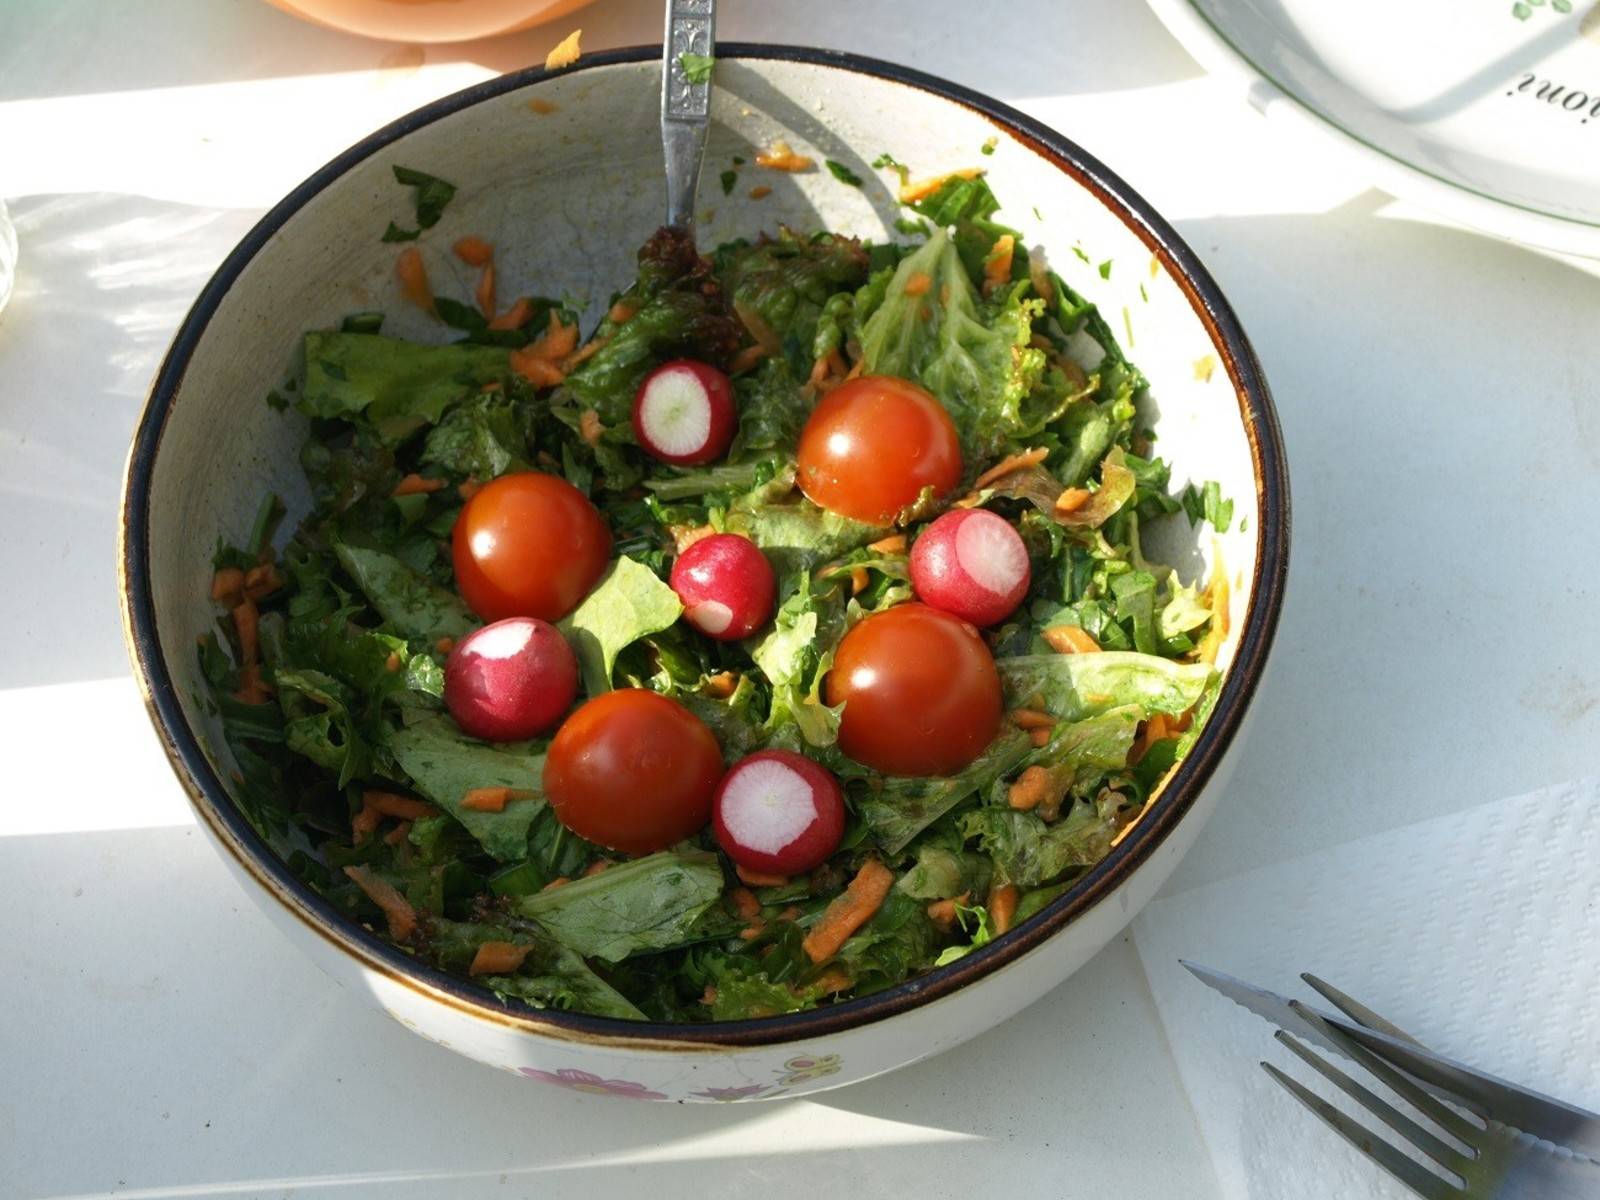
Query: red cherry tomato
{"points": [[920, 692], [683, 412], [726, 585], [510, 680], [972, 563], [633, 771], [872, 444], [778, 812], [528, 545]]}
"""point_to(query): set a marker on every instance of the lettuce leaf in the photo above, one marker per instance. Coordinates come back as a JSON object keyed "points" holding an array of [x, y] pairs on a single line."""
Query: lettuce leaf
{"points": [[629, 602], [444, 765], [552, 976], [1075, 686], [408, 603], [399, 386]]}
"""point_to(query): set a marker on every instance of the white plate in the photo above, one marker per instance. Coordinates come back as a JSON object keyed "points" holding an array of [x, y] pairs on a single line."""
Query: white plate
{"points": [[1487, 111]]}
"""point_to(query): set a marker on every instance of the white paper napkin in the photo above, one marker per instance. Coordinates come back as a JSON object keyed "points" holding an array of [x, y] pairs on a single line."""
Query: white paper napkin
{"points": [[1477, 933]]}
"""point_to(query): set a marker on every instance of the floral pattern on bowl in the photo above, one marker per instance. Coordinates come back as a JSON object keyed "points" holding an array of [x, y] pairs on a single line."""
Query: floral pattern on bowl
{"points": [[583, 1081]]}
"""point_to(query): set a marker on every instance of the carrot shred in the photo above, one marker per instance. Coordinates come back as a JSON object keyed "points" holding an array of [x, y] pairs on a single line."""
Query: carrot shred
{"points": [[709, 996], [997, 267], [514, 317], [721, 685], [486, 799], [918, 284], [1039, 737], [498, 958], [759, 878], [468, 488], [597, 866], [922, 189], [473, 251], [364, 824], [445, 644], [858, 579], [557, 341], [247, 622], [261, 581], [849, 911], [895, 543], [1069, 639], [413, 276], [943, 914], [484, 292], [756, 325], [543, 107], [760, 192], [227, 586], [1010, 464], [392, 804], [745, 903], [1029, 789], [1217, 598], [566, 52], [792, 913], [396, 908], [1003, 907], [589, 427], [583, 353], [623, 311], [392, 663], [782, 157], [415, 485], [1031, 718], [252, 689], [746, 358], [558, 881], [1072, 499], [537, 370], [751, 932], [833, 980], [398, 834]]}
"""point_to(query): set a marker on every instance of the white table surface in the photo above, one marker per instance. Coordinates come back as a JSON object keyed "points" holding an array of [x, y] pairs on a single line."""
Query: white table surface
{"points": [[1439, 647]]}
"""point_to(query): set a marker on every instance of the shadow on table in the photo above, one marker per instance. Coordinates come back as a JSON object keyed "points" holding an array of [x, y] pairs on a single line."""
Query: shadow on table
{"points": [[1437, 645], [63, 441], [1025, 49]]}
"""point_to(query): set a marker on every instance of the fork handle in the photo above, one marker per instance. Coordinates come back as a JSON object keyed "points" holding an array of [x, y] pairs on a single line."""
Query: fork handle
{"points": [[685, 106]]}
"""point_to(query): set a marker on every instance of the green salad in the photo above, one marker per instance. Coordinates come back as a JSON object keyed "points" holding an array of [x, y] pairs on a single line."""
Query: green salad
{"points": [[781, 637]]}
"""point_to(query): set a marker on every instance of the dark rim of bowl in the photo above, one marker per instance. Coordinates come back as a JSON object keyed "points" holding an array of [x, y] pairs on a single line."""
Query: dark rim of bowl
{"points": [[1176, 798]]}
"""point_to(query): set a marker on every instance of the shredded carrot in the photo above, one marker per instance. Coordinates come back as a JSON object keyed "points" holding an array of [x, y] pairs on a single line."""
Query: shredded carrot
{"points": [[1217, 600], [247, 622], [558, 881], [473, 251], [745, 903], [1031, 718], [1156, 729], [756, 325], [391, 804], [709, 996], [598, 865], [760, 192], [364, 824], [687, 535], [1039, 737], [918, 283], [557, 341], [566, 52], [921, 190], [396, 908], [1003, 907], [543, 107], [1010, 464], [514, 317], [1072, 499], [539, 371], [445, 644], [623, 311], [721, 685], [484, 293], [583, 354], [392, 663], [415, 485], [792, 913], [486, 799], [1069, 639], [468, 488], [895, 543], [849, 911], [252, 689], [1029, 788], [781, 157], [398, 834], [997, 267], [746, 358], [751, 932], [413, 276], [261, 581], [227, 586], [589, 427], [498, 958], [943, 914], [833, 980], [759, 878], [858, 580]]}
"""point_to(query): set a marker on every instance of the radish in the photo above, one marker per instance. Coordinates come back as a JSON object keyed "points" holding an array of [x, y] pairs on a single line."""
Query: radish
{"points": [[683, 412], [726, 586], [510, 680], [778, 812], [971, 563]]}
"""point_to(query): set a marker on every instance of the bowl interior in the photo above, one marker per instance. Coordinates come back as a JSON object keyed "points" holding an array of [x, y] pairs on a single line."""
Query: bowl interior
{"points": [[566, 194]]}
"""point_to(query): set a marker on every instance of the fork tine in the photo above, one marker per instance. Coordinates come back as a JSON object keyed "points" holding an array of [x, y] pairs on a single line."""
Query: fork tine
{"points": [[1441, 1152], [1356, 1011], [1416, 1177], [1435, 1110]]}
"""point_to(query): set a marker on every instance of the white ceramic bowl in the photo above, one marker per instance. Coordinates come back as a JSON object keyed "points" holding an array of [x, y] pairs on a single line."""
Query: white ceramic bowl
{"points": [[566, 196]]}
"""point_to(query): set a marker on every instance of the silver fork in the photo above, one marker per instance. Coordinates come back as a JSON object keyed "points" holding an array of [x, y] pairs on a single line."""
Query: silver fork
{"points": [[1478, 1159]]}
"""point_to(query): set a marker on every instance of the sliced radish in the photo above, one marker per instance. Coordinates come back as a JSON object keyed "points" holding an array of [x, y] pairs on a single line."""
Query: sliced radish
{"points": [[510, 680], [726, 585], [778, 812], [683, 412], [971, 563]]}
